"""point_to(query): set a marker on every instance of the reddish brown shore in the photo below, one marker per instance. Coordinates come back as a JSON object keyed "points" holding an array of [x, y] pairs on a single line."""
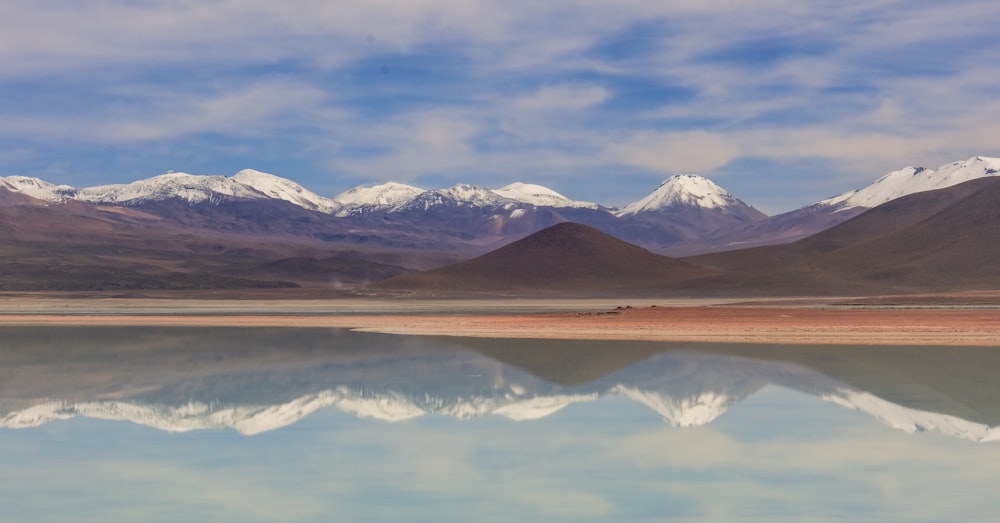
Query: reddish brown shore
{"points": [[758, 324]]}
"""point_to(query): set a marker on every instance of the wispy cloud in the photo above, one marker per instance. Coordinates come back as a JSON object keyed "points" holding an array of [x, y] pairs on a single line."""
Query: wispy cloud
{"points": [[469, 91]]}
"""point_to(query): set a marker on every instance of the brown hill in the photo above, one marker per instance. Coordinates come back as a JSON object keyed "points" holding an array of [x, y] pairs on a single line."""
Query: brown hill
{"points": [[944, 240], [566, 258]]}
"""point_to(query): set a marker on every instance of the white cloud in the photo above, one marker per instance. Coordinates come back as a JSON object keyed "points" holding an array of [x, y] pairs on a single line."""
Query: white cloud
{"points": [[563, 97], [525, 87], [676, 152], [147, 114]]}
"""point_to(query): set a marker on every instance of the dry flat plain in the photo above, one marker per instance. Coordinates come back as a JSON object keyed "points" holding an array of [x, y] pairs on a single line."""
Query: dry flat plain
{"points": [[970, 319]]}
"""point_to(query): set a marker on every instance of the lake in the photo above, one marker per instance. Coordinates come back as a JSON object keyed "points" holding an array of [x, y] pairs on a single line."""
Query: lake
{"points": [[269, 424]]}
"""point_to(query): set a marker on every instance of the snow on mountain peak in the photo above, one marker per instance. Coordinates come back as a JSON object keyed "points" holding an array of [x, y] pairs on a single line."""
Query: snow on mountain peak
{"points": [[38, 188], [539, 195], [465, 193], [389, 195], [285, 189], [460, 195], [911, 180], [189, 187], [688, 190]]}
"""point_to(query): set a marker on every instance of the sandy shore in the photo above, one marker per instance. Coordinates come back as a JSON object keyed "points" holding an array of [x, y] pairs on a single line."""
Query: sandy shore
{"points": [[702, 322]]}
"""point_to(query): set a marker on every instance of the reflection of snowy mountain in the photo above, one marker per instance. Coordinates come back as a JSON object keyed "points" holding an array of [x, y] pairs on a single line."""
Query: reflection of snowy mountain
{"points": [[682, 412], [912, 420], [687, 389], [254, 419]]}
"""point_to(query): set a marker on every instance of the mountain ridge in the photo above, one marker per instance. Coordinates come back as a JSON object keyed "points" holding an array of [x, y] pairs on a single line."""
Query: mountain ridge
{"points": [[811, 219], [689, 190], [193, 230], [931, 241]]}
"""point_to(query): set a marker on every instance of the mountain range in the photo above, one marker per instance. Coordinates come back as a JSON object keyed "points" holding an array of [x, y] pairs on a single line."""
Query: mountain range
{"points": [[257, 230], [934, 241]]}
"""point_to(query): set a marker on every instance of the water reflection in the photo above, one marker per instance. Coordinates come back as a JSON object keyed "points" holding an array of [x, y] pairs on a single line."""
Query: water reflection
{"points": [[258, 380], [421, 429]]}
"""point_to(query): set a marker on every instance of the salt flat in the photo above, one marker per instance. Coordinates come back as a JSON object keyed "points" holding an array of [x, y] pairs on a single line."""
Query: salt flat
{"points": [[780, 321]]}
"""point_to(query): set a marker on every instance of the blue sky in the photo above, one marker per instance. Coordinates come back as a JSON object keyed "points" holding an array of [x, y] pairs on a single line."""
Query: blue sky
{"points": [[781, 102]]}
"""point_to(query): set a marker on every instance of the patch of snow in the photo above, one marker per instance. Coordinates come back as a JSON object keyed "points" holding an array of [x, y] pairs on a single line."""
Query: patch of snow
{"points": [[539, 196], [475, 195], [285, 189], [36, 415], [694, 411], [386, 407], [912, 420], [38, 188], [386, 196], [189, 187], [540, 406], [461, 195]]}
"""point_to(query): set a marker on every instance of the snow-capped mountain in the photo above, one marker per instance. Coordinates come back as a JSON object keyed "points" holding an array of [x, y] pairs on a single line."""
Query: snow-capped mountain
{"points": [[684, 208], [460, 195], [911, 180], [285, 189], [188, 187], [514, 210], [686, 214], [684, 190], [383, 197], [811, 219], [38, 188], [246, 184], [540, 196], [679, 191]]}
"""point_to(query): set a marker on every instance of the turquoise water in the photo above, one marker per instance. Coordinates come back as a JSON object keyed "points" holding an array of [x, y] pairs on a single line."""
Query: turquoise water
{"points": [[157, 424]]}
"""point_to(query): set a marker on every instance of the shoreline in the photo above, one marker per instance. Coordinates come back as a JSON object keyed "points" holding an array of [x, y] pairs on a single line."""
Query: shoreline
{"points": [[719, 323]]}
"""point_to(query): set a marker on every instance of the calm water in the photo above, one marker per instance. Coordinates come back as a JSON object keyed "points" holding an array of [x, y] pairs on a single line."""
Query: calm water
{"points": [[141, 424]]}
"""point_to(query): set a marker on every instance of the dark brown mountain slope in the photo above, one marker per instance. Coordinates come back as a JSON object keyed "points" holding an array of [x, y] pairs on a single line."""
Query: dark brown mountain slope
{"points": [[567, 258], [933, 241], [78, 246]]}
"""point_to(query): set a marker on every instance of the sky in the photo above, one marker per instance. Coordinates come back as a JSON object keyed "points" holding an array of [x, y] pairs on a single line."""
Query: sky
{"points": [[781, 102]]}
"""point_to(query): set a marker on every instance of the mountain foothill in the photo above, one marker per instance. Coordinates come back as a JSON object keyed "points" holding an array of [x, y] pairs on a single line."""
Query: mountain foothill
{"points": [[914, 230]]}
